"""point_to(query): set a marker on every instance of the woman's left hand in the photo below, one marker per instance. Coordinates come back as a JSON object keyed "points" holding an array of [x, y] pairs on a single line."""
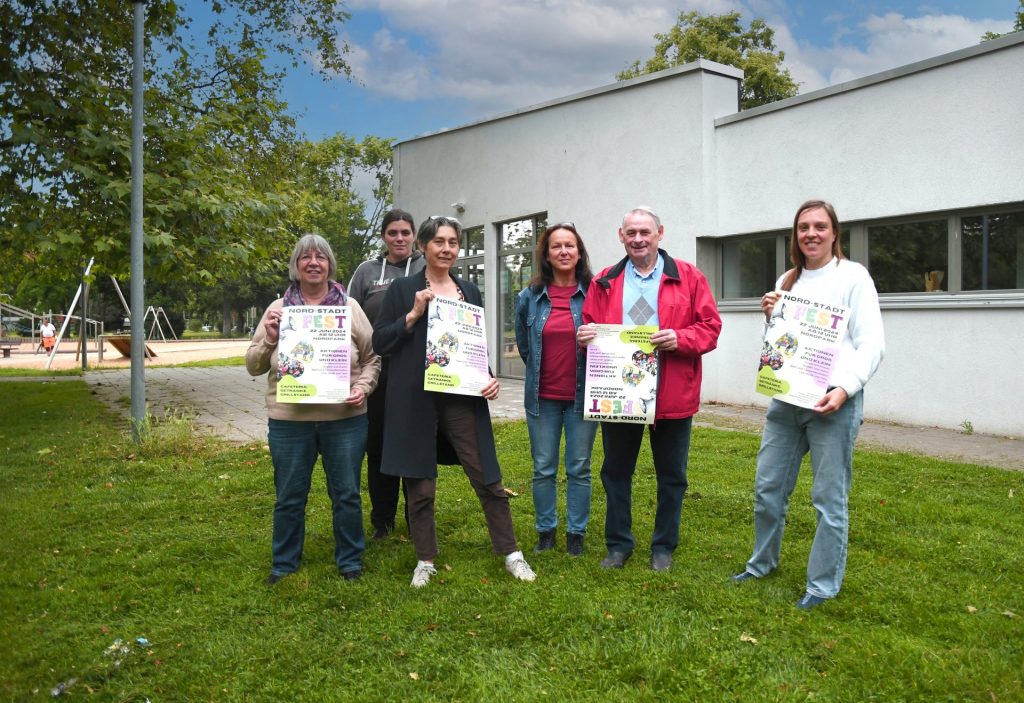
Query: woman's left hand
{"points": [[831, 401], [491, 390], [355, 397]]}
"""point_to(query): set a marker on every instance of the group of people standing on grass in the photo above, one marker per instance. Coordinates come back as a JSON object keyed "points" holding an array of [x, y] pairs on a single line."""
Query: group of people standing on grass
{"points": [[406, 431]]}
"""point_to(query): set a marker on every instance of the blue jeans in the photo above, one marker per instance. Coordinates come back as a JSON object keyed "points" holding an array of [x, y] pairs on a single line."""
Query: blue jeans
{"points": [[670, 447], [789, 433], [294, 446], [545, 437]]}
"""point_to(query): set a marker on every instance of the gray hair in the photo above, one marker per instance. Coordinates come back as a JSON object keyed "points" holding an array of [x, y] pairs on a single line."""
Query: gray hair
{"points": [[642, 210], [306, 244]]}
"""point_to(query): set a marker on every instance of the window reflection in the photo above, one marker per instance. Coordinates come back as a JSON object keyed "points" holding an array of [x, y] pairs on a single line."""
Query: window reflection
{"points": [[909, 257], [992, 250]]}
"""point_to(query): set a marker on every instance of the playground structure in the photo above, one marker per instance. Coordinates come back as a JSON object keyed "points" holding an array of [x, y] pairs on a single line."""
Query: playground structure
{"points": [[87, 328]]}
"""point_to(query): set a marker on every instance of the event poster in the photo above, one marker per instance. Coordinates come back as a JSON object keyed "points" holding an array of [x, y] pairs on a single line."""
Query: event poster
{"points": [[313, 354], [800, 347], [456, 354], [622, 375]]}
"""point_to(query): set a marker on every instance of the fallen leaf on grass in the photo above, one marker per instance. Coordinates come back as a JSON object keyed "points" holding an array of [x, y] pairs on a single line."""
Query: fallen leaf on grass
{"points": [[414, 676], [971, 609], [1009, 613], [44, 451], [747, 638], [224, 477], [1010, 494], [511, 493]]}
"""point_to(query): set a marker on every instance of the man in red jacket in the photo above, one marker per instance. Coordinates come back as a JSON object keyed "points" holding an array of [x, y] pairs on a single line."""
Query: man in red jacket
{"points": [[649, 287]]}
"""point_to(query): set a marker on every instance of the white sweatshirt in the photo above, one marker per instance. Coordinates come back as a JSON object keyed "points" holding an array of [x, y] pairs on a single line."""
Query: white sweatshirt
{"points": [[847, 283]]}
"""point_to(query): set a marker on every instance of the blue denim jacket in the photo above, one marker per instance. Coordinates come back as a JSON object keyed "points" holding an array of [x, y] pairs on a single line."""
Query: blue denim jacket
{"points": [[532, 310]]}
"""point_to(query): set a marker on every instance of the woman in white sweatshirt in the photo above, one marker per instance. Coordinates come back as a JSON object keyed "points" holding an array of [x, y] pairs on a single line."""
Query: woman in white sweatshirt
{"points": [[829, 429]]}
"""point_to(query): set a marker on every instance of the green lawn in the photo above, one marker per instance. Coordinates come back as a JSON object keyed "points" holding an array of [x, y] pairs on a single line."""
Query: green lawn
{"points": [[103, 541]]}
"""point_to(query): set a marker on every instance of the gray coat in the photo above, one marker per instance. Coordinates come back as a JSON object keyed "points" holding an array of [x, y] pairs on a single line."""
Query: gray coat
{"points": [[413, 447]]}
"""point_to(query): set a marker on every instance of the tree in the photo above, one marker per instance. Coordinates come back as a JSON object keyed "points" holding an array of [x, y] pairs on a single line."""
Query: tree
{"points": [[218, 137], [1018, 25], [722, 38]]}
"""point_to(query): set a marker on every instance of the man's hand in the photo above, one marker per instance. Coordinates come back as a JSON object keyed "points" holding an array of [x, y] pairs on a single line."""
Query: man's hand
{"points": [[665, 340]]}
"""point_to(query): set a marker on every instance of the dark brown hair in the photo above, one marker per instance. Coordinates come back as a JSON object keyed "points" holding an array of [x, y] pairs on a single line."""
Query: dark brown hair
{"points": [[543, 274]]}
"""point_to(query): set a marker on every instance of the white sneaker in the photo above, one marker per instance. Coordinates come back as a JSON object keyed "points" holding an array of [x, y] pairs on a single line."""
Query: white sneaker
{"points": [[421, 576], [516, 565]]}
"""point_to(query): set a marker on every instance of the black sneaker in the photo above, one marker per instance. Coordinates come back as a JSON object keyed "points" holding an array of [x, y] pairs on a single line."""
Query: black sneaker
{"points": [[545, 541], [573, 544], [353, 575], [383, 531]]}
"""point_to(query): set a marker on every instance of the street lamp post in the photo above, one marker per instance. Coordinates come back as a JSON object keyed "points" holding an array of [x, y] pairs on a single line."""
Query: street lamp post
{"points": [[137, 291]]}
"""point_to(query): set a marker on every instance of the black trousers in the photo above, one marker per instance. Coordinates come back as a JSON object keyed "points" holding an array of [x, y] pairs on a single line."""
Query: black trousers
{"points": [[383, 489]]}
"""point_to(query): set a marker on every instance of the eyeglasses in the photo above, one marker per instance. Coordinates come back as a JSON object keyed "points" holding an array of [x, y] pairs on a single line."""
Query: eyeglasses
{"points": [[571, 226]]}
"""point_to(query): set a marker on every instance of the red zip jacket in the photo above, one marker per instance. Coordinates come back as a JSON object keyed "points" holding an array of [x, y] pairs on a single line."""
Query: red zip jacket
{"points": [[686, 305]]}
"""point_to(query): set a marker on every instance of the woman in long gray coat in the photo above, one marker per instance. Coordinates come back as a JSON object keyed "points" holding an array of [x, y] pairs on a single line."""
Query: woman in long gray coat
{"points": [[423, 428]]}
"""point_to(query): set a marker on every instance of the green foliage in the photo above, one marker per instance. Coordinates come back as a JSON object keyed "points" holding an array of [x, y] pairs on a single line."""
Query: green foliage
{"points": [[1018, 25], [723, 39], [102, 542], [227, 185]]}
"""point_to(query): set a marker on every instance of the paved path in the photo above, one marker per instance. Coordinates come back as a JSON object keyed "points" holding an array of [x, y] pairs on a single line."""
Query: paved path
{"points": [[230, 402]]}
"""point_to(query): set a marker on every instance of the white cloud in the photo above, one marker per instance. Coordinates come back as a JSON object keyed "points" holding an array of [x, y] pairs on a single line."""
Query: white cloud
{"points": [[887, 41], [496, 55]]}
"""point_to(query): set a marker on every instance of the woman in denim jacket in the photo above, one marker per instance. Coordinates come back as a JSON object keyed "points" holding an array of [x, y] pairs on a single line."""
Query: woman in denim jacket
{"points": [[548, 312]]}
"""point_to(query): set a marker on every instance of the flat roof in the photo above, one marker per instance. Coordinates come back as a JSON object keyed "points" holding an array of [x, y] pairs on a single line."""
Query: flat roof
{"points": [[700, 65]]}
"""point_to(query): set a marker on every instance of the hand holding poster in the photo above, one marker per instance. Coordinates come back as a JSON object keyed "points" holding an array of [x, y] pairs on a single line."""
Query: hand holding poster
{"points": [[799, 350], [313, 354], [622, 375], [456, 354]]}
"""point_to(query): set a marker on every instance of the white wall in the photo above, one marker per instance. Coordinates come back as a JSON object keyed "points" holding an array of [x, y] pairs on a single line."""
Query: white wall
{"points": [[941, 367], [586, 158], [943, 138], [939, 139], [940, 135]]}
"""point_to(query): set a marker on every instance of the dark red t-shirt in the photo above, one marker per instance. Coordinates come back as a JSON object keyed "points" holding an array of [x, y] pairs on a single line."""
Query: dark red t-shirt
{"points": [[558, 345]]}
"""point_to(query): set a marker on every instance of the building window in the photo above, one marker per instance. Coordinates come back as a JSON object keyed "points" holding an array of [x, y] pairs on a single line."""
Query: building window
{"points": [[470, 264], [749, 266], [992, 251], [909, 257], [956, 252], [515, 264], [752, 265]]}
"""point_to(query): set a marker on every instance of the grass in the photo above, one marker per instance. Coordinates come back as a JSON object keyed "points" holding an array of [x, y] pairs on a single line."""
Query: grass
{"points": [[206, 363], [106, 541], [10, 371]]}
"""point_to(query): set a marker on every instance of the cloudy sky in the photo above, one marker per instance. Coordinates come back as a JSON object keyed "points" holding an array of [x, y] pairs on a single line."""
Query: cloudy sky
{"points": [[424, 65]]}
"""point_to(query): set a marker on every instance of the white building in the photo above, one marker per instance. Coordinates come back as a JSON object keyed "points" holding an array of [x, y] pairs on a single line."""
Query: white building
{"points": [[923, 164]]}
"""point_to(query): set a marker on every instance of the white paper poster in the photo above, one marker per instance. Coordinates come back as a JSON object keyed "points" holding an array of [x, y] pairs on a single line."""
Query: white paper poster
{"points": [[800, 347], [456, 354], [622, 375], [313, 354]]}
